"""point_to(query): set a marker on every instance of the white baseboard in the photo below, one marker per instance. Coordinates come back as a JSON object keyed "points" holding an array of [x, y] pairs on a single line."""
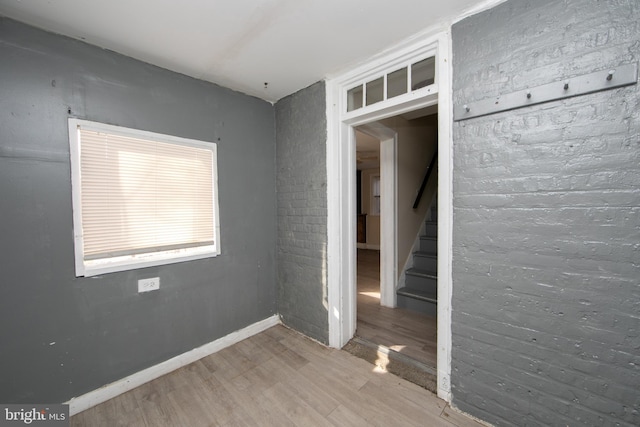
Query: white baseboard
{"points": [[368, 246], [109, 391]]}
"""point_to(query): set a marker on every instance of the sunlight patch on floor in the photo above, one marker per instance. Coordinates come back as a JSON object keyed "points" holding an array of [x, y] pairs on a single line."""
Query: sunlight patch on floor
{"points": [[370, 294], [381, 363]]}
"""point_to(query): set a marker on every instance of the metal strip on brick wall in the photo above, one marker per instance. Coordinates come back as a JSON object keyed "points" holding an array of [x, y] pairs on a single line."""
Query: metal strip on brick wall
{"points": [[623, 75]]}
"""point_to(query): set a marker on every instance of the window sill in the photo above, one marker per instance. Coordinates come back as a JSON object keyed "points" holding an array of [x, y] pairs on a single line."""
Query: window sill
{"points": [[98, 267]]}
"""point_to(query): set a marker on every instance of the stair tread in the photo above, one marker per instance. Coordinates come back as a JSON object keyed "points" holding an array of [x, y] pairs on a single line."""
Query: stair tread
{"points": [[418, 294], [413, 291], [422, 273], [426, 254]]}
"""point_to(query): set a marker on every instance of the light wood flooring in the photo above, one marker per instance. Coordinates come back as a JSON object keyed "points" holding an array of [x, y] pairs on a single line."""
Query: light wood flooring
{"points": [[410, 333], [275, 378]]}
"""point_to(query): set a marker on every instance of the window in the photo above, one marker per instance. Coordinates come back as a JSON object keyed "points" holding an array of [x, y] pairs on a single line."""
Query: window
{"points": [[396, 82], [375, 194], [140, 198]]}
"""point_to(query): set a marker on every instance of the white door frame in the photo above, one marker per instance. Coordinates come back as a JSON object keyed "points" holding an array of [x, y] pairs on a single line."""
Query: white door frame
{"points": [[341, 206], [388, 210]]}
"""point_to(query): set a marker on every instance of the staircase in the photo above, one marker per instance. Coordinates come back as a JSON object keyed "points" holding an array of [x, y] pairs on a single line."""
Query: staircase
{"points": [[421, 284]]}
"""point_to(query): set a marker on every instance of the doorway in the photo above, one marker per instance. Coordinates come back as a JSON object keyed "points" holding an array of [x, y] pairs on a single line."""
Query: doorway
{"points": [[341, 177], [382, 205], [407, 333]]}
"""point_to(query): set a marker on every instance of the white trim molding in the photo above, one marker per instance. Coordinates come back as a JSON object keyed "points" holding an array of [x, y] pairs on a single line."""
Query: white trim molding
{"points": [[109, 391], [388, 210], [445, 216], [341, 196]]}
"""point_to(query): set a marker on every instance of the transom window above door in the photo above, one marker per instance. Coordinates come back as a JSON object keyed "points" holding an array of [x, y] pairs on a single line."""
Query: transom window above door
{"points": [[394, 83]]}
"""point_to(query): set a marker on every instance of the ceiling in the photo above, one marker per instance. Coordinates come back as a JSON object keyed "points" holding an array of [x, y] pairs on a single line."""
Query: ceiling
{"points": [[265, 48]]}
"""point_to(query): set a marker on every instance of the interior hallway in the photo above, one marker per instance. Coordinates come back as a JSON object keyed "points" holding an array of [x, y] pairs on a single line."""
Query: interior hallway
{"points": [[410, 333], [275, 378]]}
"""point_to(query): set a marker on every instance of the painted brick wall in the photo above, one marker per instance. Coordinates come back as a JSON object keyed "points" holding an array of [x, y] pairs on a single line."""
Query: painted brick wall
{"points": [[546, 256], [301, 135]]}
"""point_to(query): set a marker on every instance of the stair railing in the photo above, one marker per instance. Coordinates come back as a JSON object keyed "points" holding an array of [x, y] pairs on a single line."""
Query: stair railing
{"points": [[427, 174]]}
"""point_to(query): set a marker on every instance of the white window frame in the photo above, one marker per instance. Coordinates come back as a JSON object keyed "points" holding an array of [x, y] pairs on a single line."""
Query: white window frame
{"points": [[375, 205], [129, 262]]}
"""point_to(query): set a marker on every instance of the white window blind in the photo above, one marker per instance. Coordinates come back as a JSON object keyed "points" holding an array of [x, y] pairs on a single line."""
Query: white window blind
{"points": [[142, 197]]}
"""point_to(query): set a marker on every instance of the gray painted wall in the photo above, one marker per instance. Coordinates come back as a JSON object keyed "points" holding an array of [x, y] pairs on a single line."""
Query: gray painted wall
{"points": [[62, 336], [301, 129], [546, 253]]}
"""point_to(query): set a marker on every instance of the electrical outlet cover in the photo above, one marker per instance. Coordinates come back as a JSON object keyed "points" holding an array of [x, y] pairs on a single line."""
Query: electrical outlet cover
{"points": [[150, 284]]}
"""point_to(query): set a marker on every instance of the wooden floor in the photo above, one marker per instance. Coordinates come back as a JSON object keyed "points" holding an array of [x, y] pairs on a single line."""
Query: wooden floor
{"points": [[275, 378], [408, 332]]}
